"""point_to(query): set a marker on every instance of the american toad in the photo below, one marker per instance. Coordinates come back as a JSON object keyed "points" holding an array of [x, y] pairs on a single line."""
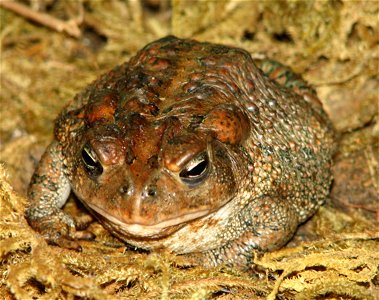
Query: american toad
{"points": [[190, 147]]}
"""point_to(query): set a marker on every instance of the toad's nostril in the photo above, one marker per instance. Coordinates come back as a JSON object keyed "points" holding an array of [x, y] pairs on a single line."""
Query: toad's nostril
{"points": [[124, 189], [152, 191]]}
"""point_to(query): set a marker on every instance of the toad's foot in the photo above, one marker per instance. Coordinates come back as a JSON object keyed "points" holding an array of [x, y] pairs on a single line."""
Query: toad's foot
{"points": [[58, 229]]}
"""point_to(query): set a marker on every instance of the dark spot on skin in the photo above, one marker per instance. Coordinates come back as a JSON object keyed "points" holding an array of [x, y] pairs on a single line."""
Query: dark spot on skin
{"points": [[153, 161], [124, 189], [130, 156], [219, 49], [143, 78], [196, 120], [167, 110], [154, 110], [220, 154], [152, 191]]}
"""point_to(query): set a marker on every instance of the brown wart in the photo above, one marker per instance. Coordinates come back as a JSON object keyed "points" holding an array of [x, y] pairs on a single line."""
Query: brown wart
{"points": [[228, 124]]}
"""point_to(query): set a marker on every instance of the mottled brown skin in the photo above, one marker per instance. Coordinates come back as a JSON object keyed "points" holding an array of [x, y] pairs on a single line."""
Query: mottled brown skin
{"points": [[188, 147]]}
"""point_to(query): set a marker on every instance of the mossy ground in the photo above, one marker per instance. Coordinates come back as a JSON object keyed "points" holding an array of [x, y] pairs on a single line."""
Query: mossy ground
{"points": [[334, 44]]}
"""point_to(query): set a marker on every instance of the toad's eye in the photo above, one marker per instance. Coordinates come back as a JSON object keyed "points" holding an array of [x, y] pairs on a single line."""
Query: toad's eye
{"points": [[196, 170], [91, 162]]}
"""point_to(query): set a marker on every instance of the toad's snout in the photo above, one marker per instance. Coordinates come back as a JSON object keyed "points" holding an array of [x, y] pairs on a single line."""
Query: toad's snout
{"points": [[143, 200]]}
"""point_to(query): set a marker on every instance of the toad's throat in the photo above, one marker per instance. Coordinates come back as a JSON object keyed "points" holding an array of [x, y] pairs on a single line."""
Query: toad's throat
{"points": [[142, 230]]}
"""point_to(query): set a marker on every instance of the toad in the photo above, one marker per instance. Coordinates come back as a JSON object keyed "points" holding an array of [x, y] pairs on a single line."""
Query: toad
{"points": [[192, 147]]}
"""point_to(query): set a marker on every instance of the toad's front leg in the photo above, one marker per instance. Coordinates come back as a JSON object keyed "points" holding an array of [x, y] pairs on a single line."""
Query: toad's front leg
{"points": [[48, 192]]}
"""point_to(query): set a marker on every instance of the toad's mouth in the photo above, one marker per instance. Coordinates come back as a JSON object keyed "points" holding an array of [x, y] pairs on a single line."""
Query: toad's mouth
{"points": [[139, 230]]}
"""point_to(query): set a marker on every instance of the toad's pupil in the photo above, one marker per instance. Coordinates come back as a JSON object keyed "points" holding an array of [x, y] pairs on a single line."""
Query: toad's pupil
{"points": [[91, 164], [196, 170]]}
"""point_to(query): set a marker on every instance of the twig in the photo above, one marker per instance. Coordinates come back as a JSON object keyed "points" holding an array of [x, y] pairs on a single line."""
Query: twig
{"points": [[70, 27]]}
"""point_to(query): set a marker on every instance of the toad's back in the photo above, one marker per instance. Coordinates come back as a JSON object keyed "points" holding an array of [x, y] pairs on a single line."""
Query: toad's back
{"points": [[191, 147]]}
